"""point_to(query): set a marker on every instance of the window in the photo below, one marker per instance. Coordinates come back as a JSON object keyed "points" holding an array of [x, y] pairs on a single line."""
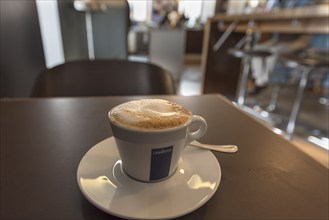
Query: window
{"points": [[195, 10]]}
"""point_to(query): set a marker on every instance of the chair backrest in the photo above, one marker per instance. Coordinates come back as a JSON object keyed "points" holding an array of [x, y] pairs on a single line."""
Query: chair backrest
{"points": [[103, 78]]}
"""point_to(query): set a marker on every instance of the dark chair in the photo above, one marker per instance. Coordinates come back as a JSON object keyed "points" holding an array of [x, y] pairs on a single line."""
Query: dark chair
{"points": [[103, 78]]}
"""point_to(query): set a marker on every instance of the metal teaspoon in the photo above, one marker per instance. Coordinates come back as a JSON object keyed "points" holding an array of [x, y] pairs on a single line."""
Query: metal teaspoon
{"points": [[219, 148]]}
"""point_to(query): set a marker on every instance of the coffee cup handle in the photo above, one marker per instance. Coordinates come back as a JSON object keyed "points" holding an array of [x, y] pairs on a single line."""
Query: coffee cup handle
{"points": [[201, 130]]}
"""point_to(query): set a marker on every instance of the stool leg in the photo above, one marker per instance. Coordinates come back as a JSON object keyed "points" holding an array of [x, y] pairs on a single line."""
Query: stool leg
{"points": [[243, 81], [297, 102], [274, 98]]}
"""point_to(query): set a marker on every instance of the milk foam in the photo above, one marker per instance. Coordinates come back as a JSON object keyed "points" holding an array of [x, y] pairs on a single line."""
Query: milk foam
{"points": [[150, 114]]}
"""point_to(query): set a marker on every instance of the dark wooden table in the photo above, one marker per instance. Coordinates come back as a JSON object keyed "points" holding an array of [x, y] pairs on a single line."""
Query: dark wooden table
{"points": [[43, 141]]}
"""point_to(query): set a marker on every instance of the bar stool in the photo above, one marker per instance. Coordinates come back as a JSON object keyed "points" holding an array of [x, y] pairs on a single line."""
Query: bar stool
{"points": [[305, 64], [246, 56]]}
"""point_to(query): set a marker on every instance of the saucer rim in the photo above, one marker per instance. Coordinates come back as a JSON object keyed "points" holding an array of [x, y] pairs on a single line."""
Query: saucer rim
{"points": [[180, 214]]}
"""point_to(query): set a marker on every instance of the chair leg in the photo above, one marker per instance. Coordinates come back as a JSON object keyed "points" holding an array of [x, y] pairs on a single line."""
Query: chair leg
{"points": [[243, 81], [274, 98], [297, 102]]}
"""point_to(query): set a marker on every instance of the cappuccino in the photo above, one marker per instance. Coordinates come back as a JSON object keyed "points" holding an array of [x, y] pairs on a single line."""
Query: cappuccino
{"points": [[150, 114]]}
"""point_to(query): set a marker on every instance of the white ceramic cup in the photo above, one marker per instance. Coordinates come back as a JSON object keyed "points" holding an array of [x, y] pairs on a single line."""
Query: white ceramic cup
{"points": [[153, 154]]}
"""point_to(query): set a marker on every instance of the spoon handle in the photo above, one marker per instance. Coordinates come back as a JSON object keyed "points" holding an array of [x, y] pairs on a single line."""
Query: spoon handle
{"points": [[219, 148]]}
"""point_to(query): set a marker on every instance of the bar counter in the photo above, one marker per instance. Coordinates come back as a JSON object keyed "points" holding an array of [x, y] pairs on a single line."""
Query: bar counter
{"points": [[220, 72]]}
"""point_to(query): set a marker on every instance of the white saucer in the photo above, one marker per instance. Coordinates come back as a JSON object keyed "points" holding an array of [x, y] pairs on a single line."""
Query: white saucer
{"points": [[105, 185]]}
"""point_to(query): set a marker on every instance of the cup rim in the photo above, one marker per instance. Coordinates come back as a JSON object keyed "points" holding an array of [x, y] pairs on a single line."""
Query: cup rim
{"points": [[135, 129]]}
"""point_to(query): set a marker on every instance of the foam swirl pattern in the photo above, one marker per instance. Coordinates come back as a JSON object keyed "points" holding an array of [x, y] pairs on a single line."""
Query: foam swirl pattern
{"points": [[150, 114]]}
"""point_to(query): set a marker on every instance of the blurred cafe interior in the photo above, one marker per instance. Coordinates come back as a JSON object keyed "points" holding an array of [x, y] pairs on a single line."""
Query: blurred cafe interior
{"points": [[269, 57]]}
